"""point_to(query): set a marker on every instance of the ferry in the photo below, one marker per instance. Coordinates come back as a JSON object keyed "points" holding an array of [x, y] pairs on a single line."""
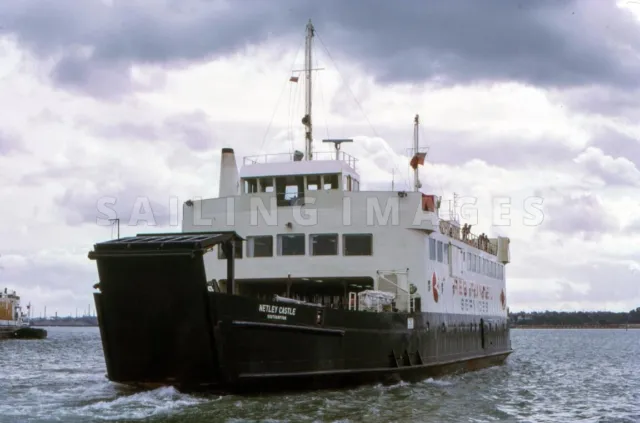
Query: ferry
{"points": [[14, 322], [294, 278]]}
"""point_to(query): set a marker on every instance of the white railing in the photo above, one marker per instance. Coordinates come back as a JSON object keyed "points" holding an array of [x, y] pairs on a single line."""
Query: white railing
{"points": [[289, 157]]}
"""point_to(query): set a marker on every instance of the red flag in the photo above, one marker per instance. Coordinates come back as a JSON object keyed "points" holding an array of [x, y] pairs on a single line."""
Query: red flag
{"points": [[418, 159], [293, 79]]}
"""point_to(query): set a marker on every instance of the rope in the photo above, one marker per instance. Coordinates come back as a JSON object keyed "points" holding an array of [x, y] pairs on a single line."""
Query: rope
{"points": [[275, 109]]}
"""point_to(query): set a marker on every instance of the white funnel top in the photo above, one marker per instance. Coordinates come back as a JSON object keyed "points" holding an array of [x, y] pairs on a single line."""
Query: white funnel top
{"points": [[229, 180]]}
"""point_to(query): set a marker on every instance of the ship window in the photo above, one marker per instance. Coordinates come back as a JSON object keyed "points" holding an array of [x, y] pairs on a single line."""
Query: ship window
{"points": [[357, 244], [440, 251], [250, 186], [291, 245], [266, 184], [348, 186], [432, 249], [289, 190], [313, 182], [331, 182], [356, 185], [324, 244], [260, 246], [446, 253], [238, 248]]}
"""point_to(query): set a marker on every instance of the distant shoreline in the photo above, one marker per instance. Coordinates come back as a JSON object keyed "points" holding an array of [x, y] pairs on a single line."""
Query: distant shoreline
{"points": [[63, 325], [630, 326]]}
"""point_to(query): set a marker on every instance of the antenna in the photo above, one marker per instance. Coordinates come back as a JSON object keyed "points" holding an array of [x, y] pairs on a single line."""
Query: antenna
{"points": [[337, 143], [454, 217], [393, 179], [117, 222]]}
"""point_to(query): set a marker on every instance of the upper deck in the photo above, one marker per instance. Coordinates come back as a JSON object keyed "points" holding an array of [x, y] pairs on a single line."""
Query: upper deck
{"points": [[290, 164]]}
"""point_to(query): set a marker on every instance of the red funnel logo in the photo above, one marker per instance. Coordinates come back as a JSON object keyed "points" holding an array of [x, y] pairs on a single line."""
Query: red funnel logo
{"points": [[434, 282]]}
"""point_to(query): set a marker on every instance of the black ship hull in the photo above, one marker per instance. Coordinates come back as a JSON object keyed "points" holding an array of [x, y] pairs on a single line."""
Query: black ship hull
{"points": [[160, 325]]}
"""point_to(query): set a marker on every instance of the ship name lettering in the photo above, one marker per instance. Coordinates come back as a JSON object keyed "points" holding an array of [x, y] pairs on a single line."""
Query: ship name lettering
{"points": [[273, 309]]}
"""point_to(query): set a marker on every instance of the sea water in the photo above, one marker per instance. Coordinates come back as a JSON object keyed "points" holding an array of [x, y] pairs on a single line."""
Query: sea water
{"points": [[558, 376]]}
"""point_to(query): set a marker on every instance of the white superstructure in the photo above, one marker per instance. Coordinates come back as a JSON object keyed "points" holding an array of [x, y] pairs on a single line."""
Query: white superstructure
{"points": [[11, 314], [310, 231]]}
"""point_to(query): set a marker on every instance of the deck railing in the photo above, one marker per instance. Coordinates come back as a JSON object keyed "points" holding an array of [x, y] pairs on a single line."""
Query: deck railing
{"points": [[481, 243], [289, 157]]}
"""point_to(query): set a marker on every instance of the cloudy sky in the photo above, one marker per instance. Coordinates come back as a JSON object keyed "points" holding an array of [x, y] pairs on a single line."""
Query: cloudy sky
{"points": [[128, 99]]}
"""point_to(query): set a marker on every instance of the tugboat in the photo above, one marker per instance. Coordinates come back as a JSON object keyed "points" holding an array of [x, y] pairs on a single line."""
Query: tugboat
{"points": [[13, 321], [327, 293]]}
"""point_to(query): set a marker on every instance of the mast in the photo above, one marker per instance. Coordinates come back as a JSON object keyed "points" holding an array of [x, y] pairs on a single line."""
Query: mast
{"points": [[306, 120], [416, 146]]}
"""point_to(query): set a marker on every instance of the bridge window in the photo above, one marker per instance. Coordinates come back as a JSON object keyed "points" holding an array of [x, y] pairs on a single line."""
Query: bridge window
{"points": [[250, 186], [331, 181], [313, 182], [440, 251], [356, 185], [238, 253], [291, 245], [357, 244], [324, 244], [260, 246], [432, 249], [290, 190], [446, 253], [266, 184]]}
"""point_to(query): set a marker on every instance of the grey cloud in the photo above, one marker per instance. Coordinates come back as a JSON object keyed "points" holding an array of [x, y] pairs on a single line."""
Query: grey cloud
{"points": [[604, 100], [445, 147], [9, 143], [612, 170], [132, 205], [634, 226], [109, 80], [582, 215], [193, 129], [608, 277], [552, 43], [616, 144], [60, 284]]}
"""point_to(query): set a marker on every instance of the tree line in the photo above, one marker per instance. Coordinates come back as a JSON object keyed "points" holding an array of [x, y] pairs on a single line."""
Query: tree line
{"points": [[576, 318]]}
